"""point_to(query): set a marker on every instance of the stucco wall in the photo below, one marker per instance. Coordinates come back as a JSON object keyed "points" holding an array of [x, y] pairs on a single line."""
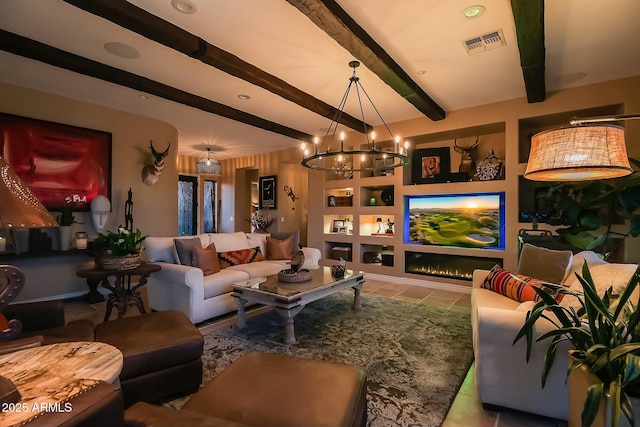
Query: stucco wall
{"points": [[154, 207]]}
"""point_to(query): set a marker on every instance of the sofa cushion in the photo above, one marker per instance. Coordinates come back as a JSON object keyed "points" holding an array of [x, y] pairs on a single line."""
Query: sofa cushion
{"points": [[220, 283], [206, 259], [184, 249], [159, 249], [229, 241], [258, 240], [162, 249], [515, 286], [545, 264], [281, 235], [279, 249], [261, 269], [243, 256], [604, 276], [154, 341]]}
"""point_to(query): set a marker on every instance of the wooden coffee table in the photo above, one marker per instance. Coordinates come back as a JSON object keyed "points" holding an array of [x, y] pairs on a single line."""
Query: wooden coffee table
{"points": [[288, 299]]}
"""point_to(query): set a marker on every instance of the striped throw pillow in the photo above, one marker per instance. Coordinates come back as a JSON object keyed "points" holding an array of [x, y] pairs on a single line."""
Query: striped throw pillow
{"points": [[515, 286]]}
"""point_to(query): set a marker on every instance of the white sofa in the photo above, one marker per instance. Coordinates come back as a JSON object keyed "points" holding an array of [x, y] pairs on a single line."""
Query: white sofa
{"points": [[186, 288], [502, 375]]}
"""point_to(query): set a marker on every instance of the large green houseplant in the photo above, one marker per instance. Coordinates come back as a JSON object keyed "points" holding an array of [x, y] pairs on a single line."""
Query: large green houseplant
{"points": [[120, 243], [605, 335], [586, 211]]}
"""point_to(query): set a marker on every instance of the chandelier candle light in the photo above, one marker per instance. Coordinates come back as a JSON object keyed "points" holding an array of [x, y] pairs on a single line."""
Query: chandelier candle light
{"points": [[340, 161]]}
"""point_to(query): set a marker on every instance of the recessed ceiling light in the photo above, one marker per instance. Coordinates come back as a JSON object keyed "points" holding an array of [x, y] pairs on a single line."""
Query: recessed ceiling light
{"points": [[184, 6], [473, 11], [122, 50], [421, 72], [144, 97], [244, 97]]}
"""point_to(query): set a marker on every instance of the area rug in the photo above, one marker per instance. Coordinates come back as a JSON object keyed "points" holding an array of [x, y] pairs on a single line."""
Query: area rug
{"points": [[415, 356]]}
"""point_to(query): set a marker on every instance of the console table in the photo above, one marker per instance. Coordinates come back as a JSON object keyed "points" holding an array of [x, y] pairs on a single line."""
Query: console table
{"points": [[123, 293]]}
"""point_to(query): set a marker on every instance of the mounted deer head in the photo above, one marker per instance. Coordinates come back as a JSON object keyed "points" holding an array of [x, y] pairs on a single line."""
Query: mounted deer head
{"points": [[467, 163], [151, 173]]}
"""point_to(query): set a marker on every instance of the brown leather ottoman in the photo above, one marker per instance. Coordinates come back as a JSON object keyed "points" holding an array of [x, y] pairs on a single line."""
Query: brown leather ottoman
{"points": [[162, 354], [264, 389]]}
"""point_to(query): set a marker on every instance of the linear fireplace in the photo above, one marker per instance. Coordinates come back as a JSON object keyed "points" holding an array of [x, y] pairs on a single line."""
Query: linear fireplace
{"points": [[444, 265]]}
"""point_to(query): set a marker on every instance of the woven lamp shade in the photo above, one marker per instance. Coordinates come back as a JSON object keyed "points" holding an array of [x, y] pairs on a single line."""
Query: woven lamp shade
{"points": [[213, 167], [578, 154]]}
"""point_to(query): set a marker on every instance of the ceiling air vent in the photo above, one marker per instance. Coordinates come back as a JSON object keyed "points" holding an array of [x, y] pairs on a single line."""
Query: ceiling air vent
{"points": [[492, 40]]}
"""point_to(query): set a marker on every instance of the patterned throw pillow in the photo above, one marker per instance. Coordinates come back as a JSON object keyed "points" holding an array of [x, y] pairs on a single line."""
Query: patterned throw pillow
{"points": [[242, 256], [515, 286]]}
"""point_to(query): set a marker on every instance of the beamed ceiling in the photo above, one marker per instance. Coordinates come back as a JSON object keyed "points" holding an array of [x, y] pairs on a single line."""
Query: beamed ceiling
{"points": [[291, 58]]}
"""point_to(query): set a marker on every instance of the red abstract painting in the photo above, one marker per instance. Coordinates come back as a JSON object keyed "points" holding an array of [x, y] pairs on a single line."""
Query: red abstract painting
{"points": [[61, 164]]}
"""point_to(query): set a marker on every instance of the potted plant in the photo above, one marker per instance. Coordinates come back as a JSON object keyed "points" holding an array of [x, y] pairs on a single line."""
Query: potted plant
{"points": [[65, 219], [605, 335], [587, 210], [118, 250]]}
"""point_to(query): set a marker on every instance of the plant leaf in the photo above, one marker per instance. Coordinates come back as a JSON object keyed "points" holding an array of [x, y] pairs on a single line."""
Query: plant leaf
{"points": [[592, 404]]}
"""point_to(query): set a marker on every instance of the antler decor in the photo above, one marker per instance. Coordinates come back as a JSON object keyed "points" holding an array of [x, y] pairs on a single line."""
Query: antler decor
{"points": [[151, 173]]}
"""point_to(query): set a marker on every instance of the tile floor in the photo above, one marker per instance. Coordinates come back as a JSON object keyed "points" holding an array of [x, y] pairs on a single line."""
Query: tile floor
{"points": [[466, 410]]}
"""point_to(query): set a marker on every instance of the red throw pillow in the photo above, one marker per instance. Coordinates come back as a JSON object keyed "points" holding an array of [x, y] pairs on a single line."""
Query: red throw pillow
{"points": [[515, 286], [242, 256]]}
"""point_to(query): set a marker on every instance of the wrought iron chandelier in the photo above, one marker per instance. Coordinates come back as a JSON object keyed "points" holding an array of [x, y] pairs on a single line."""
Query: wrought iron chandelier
{"points": [[355, 160]]}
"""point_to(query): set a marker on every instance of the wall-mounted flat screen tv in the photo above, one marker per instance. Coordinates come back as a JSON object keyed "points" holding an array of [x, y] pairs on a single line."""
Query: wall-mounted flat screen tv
{"points": [[472, 220]]}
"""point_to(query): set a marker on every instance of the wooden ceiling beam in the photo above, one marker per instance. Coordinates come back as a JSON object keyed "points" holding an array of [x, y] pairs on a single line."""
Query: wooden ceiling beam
{"points": [[529, 19], [338, 24], [33, 49], [135, 19]]}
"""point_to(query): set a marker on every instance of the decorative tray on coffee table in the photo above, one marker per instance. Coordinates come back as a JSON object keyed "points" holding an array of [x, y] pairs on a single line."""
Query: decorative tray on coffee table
{"points": [[292, 276]]}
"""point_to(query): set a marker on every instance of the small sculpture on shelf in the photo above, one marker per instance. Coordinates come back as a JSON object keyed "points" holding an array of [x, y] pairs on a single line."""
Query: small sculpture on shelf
{"points": [[490, 168], [389, 226]]}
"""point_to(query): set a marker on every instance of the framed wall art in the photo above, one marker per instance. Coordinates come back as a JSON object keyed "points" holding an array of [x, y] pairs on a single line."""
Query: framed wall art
{"points": [[61, 164], [337, 225], [268, 186], [429, 162]]}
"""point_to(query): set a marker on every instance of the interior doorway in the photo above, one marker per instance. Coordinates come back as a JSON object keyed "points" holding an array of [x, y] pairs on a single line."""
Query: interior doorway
{"points": [[245, 197]]}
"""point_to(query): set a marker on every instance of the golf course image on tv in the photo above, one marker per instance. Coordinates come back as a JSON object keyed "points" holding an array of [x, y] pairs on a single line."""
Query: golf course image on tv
{"points": [[464, 220]]}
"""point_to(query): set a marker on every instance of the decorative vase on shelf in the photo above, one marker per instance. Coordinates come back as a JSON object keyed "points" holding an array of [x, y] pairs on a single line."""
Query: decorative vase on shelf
{"points": [[64, 234], [490, 168]]}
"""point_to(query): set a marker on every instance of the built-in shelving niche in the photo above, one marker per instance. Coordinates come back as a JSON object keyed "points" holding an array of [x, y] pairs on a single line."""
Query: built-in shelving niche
{"points": [[444, 265], [337, 250], [492, 137]]}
